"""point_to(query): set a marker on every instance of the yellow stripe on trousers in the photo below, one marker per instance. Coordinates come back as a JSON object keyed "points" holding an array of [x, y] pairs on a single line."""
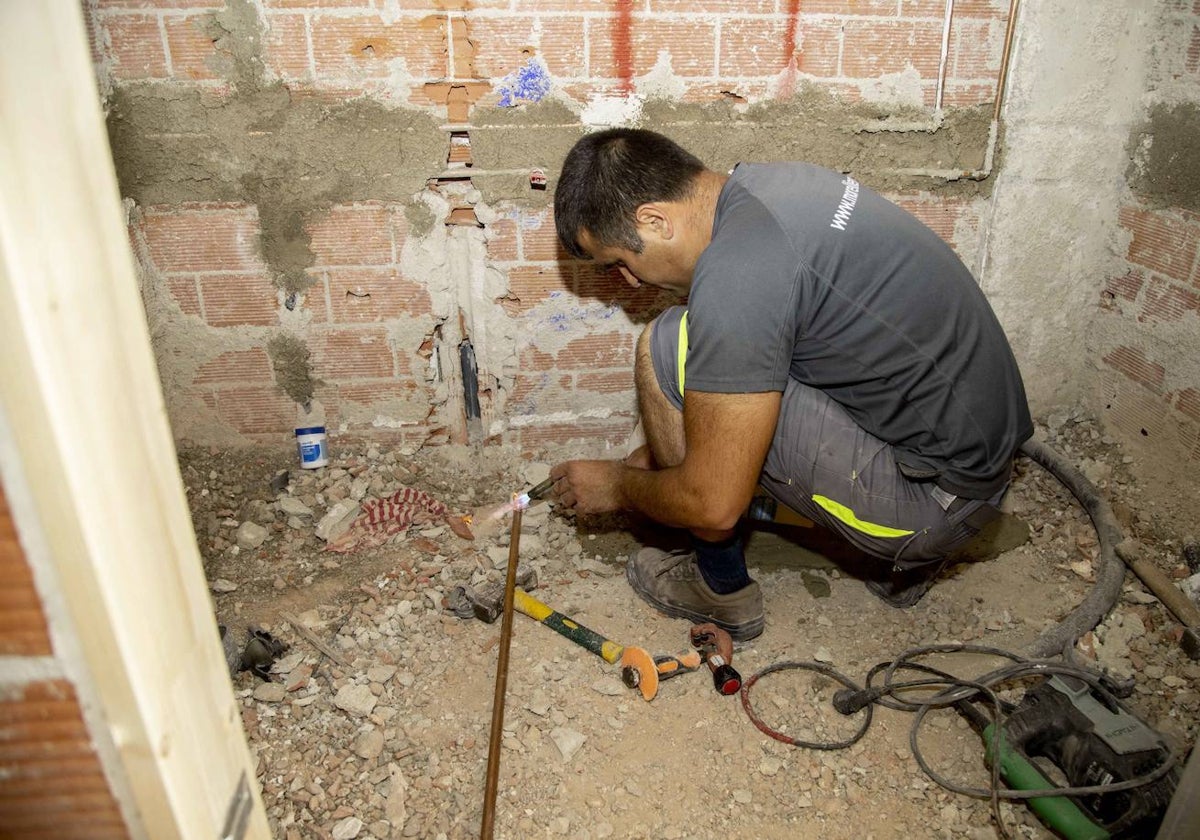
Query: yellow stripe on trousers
{"points": [[681, 351], [835, 509], [847, 516]]}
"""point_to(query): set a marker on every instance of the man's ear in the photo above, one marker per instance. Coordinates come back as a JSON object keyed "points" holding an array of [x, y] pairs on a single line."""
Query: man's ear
{"points": [[652, 217]]}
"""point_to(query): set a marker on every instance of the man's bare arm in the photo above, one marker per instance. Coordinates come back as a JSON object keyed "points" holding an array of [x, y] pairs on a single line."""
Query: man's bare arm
{"points": [[728, 436]]}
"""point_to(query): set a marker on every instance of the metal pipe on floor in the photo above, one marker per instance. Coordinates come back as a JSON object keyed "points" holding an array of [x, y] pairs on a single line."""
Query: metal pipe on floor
{"points": [[506, 624]]}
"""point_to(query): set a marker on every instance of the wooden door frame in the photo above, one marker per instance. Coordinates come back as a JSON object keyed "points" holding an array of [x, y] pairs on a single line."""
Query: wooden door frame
{"points": [[88, 459]]}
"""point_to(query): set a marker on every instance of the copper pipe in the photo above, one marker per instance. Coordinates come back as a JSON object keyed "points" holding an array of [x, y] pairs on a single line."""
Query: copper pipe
{"points": [[941, 85], [1008, 36], [506, 624]]}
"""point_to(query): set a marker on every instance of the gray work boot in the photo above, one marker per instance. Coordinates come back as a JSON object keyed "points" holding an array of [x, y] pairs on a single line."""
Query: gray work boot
{"points": [[670, 581]]}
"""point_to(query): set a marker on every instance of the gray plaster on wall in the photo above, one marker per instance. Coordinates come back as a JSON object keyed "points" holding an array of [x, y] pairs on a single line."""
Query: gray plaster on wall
{"points": [[1074, 95]]}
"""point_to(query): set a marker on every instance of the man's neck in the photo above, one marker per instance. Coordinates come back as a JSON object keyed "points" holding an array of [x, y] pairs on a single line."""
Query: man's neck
{"points": [[702, 206]]}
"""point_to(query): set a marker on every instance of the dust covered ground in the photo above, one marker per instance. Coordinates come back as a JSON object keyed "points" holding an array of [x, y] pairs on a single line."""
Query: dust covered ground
{"points": [[392, 741]]}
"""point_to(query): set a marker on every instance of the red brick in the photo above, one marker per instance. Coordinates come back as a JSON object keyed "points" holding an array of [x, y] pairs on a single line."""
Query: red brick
{"points": [[730, 8], [185, 292], [994, 9], [364, 46], [136, 47], [755, 47], [1164, 301], [879, 8], [614, 432], [1136, 411], [539, 239], [353, 354], [252, 365], [1133, 363], [579, 6], [615, 382], [1126, 286], [942, 216], [530, 285], [159, 4], [203, 240], [385, 397], [691, 43], [359, 234], [973, 52], [597, 350], [502, 240], [738, 92], [956, 95], [608, 287], [232, 300], [875, 48], [1191, 62], [314, 298], [256, 410], [191, 49], [1187, 402], [286, 45], [1161, 243], [364, 295], [505, 44]]}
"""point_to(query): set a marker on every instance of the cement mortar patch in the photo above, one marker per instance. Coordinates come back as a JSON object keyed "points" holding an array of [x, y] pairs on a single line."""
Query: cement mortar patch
{"points": [[873, 142], [1165, 153]]}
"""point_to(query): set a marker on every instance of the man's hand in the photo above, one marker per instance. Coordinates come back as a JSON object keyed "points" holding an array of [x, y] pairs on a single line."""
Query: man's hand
{"points": [[588, 486]]}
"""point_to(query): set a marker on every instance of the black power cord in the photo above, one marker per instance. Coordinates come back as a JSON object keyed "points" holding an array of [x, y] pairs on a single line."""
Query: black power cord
{"points": [[948, 690]]}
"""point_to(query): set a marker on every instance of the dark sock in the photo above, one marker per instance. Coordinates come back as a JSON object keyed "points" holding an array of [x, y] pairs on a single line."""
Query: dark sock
{"points": [[722, 564]]}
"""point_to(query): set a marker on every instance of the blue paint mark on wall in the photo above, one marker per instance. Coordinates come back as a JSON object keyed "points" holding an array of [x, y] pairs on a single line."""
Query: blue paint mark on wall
{"points": [[529, 84]]}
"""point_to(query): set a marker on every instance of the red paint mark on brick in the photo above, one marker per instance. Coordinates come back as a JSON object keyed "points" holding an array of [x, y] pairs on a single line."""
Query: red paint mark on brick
{"points": [[1133, 363], [623, 44], [789, 50]]}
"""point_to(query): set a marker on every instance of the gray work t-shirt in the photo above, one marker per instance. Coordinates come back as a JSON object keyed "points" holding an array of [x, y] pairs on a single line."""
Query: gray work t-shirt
{"points": [[812, 276]]}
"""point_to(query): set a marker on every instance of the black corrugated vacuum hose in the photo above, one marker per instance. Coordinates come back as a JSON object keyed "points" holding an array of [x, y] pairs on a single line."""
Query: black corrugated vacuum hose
{"points": [[1110, 572]]}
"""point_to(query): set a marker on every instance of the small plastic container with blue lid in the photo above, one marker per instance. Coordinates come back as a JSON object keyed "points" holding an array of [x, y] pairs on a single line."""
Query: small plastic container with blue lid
{"points": [[313, 446]]}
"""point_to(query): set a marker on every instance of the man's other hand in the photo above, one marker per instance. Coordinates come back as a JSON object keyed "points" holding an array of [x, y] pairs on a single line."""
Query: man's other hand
{"points": [[588, 486]]}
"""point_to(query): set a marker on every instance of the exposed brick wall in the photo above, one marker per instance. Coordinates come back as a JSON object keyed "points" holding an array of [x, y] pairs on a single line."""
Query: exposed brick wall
{"points": [[1149, 330], [1152, 319], [53, 785], [351, 46], [369, 327]]}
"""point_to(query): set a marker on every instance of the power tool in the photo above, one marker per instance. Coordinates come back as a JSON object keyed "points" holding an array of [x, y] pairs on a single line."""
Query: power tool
{"points": [[1089, 738]]}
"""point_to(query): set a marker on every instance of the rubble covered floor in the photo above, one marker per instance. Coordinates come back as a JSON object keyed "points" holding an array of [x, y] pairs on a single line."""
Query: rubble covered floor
{"points": [[394, 744]]}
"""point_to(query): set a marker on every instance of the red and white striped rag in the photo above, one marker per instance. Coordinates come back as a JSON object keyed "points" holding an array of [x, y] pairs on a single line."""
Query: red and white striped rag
{"points": [[382, 519]]}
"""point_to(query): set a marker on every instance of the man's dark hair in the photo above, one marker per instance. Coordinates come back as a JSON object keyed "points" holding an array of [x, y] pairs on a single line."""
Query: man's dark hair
{"points": [[608, 175]]}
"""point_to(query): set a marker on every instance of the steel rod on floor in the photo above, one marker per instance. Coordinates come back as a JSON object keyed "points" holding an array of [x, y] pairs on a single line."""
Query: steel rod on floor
{"points": [[506, 623]]}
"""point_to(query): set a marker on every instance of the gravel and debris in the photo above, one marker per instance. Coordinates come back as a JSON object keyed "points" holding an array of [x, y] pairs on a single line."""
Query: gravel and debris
{"points": [[389, 738]]}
